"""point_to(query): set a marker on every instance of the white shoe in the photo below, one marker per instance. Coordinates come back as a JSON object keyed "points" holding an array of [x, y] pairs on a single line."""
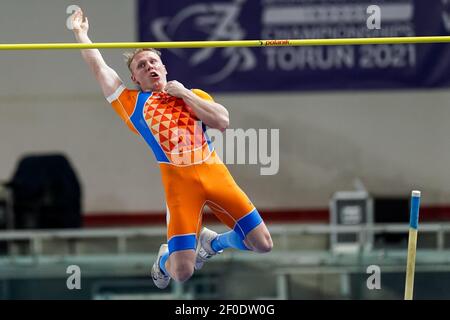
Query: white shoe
{"points": [[159, 278], [204, 250]]}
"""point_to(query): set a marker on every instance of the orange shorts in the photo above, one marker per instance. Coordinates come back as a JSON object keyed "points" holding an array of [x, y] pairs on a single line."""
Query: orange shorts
{"points": [[189, 188]]}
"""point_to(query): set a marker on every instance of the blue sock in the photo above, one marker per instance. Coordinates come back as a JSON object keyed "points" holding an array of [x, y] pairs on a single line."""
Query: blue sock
{"points": [[226, 240], [162, 263]]}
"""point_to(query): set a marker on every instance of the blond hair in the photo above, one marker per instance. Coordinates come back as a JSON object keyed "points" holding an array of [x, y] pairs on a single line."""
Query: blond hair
{"points": [[129, 56]]}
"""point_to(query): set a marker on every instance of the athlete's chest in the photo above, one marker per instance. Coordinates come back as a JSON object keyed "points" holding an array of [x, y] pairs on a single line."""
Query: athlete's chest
{"points": [[172, 122], [168, 111]]}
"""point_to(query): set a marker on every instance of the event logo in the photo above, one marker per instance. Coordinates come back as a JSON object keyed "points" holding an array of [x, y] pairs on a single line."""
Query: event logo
{"points": [[211, 22], [446, 14]]}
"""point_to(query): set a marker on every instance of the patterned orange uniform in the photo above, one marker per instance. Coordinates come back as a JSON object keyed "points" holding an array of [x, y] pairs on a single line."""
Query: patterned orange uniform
{"points": [[192, 174]]}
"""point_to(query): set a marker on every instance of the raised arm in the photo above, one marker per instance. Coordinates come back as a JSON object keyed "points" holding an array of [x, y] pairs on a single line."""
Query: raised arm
{"points": [[108, 79]]}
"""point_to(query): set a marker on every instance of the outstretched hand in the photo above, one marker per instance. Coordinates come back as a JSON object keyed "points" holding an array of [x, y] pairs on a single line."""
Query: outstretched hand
{"points": [[80, 23]]}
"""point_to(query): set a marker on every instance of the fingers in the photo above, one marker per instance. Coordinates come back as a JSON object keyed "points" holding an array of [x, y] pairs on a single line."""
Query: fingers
{"points": [[80, 15], [172, 83], [78, 12], [76, 15], [166, 88], [79, 19], [174, 88], [169, 88]]}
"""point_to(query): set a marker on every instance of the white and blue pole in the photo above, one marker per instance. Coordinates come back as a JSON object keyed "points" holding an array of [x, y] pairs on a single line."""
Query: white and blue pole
{"points": [[412, 244]]}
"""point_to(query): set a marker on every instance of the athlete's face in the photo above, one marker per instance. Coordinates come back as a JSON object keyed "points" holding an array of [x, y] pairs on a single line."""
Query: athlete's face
{"points": [[148, 71]]}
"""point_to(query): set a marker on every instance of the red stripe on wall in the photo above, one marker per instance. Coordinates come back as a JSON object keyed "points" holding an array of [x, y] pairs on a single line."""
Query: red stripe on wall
{"points": [[436, 213], [109, 219]]}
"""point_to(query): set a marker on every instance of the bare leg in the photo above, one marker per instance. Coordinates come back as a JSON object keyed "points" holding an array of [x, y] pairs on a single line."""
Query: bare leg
{"points": [[180, 265], [259, 239]]}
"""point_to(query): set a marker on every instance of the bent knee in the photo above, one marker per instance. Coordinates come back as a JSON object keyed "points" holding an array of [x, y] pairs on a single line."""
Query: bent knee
{"points": [[264, 245], [182, 272]]}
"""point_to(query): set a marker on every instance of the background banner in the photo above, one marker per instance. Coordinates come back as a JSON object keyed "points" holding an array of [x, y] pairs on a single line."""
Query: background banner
{"points": [[300, 68]]}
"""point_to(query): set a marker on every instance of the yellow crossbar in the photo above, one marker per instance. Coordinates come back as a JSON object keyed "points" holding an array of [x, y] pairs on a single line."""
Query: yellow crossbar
{"points": [[223, 44]]}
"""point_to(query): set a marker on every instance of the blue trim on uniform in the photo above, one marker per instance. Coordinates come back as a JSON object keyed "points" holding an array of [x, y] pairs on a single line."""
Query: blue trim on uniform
{"points": [[137, 118], [414, 215], [227, 240], [183, 242], [208, 140], [162, 263], [248, 223]]}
